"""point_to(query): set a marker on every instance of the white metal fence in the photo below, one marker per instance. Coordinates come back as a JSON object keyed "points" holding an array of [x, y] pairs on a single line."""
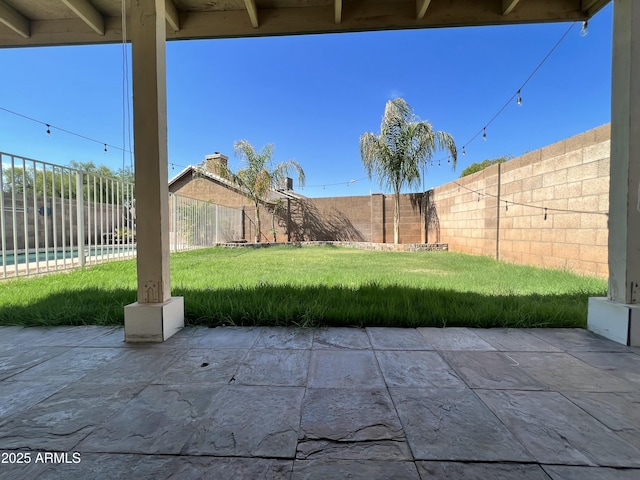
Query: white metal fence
{"points": [[197, 224], [56, 217]]}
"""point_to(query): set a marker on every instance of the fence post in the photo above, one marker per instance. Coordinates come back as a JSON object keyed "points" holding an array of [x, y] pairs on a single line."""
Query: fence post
{"points": [[80, 217], [243, 229], [288, 220], [217, 221], [498, 213], [174, 222]]}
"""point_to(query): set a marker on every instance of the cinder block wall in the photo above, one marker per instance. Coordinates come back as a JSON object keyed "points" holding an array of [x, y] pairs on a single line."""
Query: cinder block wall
{"points": [[411, 218], [359, 219], [500, 211], [333, 218]]}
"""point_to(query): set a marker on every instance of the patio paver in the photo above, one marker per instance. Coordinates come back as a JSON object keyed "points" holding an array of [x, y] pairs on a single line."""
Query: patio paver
{"points": [[280, 403]]}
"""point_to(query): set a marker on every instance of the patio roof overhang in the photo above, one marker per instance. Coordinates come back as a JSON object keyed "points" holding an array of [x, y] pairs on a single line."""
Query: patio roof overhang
{"points": [[26, 23]]}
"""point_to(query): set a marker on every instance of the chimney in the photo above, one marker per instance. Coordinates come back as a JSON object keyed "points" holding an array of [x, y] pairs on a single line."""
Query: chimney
{"points": [[216, 163], [285, 184]]}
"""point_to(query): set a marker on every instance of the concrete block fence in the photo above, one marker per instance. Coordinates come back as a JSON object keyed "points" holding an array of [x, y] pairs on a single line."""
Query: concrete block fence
{"points": [[548, 208]]}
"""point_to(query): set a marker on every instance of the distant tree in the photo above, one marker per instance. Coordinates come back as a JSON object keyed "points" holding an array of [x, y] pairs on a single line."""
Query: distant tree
{"points": [[404, 146], [59, 181], [259, 176], [479, 166]]}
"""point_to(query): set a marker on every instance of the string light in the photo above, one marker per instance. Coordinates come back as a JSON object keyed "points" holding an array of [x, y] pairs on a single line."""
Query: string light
{"points": [[585, 28], [49, 127], [518, 95], [528, 205], [337, 184], [583, 32]]}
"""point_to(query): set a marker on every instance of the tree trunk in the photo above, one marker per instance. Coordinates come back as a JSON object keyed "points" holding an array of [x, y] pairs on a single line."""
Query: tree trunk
{"points": [[258, 223], [396, 218]]}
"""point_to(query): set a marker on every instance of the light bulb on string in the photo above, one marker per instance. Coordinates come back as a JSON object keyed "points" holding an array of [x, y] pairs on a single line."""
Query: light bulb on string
{"points": [[585, 28], [48, 129], [484, 134], [105, 148], [519, 99], [464, 152]]}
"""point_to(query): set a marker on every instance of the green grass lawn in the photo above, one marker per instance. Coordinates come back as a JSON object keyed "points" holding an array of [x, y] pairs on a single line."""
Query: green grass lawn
{"points": [[312, 286]]}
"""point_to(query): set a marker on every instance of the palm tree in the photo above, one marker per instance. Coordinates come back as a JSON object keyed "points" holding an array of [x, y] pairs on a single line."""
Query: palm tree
{"points": [[404, 146], [259, 175]]}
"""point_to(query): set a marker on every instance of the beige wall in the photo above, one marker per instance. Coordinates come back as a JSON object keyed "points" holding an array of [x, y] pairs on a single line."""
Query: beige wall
{"points": [[358, 219], [569, 178]]}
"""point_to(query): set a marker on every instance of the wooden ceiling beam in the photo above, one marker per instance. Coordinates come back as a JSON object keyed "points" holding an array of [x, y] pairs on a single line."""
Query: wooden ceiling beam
{"points": [[421, 8], [337, 11], [15, 21], [591, 7], [253, 12], [378, 15], [508, 6], [88, 14], [172, 16]]}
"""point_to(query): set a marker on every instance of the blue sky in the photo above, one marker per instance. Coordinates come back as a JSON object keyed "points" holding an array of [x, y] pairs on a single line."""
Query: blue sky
{"points": [[313, 96]]}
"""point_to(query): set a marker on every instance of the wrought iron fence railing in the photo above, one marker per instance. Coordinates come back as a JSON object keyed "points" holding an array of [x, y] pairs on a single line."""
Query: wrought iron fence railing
{"points": [[55, 217], [196, 223]]}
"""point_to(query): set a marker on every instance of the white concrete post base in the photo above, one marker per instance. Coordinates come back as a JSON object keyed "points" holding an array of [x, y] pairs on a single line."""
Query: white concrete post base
{"points": [[153, 322], [616, 321]]}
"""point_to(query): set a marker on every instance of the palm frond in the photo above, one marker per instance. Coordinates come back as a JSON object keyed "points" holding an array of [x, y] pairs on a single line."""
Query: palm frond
{"points": [[404, 146]]}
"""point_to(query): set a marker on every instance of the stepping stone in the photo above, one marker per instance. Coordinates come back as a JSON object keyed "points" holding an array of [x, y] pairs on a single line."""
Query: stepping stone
{"points": [[453, 424], [480, 471], [285, 338], [339, 338], [343, 423], [325, 469], [249, 421], [514, 340], [274, 367], [494, 370], [344, 368], [454, 339], [564, 372], [416, 369], [556, 431], [397, 339]]}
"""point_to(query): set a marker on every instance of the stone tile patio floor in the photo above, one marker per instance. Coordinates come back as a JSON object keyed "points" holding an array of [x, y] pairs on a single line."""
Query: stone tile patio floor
{"points": [[282, 403]]}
